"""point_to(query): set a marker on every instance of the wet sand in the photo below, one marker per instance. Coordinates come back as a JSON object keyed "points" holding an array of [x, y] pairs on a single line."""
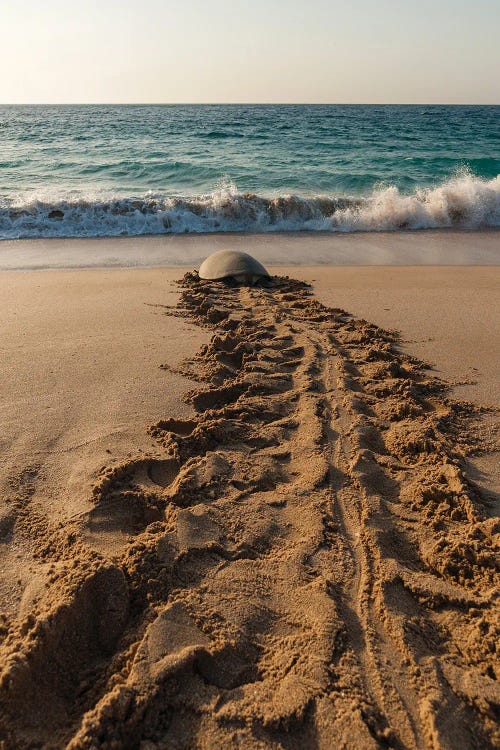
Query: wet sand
{"points": [[429, 247], [300, 554]]}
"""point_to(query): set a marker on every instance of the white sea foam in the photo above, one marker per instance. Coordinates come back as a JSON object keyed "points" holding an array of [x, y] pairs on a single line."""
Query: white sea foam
{"points": [[464, 201]]}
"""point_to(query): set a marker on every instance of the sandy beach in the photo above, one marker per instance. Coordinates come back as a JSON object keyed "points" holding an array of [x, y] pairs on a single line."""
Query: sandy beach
{"points": [[243, 518]]}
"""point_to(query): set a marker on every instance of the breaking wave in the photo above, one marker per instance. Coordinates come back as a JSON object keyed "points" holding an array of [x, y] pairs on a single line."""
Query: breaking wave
{"points": [[464, 201]]}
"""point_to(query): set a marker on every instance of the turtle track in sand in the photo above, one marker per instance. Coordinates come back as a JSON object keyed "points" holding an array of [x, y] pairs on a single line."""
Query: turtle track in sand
{"points": [[305, 564]]}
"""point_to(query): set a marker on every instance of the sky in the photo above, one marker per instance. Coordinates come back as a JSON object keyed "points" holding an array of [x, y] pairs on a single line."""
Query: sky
{"points": [[324, 51]]}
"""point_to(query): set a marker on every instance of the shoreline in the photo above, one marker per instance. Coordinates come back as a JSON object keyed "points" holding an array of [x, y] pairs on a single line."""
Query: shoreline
{"points": [[424, 247]]}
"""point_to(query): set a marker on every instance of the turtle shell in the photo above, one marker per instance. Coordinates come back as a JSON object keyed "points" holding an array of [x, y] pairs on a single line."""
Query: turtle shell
{"points": [[225, 263]]}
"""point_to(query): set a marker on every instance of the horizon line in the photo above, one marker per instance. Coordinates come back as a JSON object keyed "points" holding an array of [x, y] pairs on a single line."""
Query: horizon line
{"points": [[252, 104]]}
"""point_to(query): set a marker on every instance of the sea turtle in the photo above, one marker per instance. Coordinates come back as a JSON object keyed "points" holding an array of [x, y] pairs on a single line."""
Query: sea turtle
{"points": [[226, 264]]}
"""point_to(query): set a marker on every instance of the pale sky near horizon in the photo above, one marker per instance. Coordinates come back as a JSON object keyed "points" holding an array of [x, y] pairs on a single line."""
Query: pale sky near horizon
{"points": [[363, 51]]}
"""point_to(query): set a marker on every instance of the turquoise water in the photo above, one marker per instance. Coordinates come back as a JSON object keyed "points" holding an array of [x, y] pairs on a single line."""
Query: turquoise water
{"points": [[95, 170]]}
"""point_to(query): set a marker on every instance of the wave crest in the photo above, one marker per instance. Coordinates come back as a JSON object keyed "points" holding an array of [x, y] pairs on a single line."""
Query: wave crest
{"points": [[464, 201]]}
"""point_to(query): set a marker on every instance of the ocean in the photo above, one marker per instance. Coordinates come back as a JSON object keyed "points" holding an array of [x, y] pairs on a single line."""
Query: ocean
{"points": [[114, 170]]}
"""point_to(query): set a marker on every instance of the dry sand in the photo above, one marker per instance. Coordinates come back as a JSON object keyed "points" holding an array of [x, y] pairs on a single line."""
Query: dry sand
{"points": [[301, 557]]}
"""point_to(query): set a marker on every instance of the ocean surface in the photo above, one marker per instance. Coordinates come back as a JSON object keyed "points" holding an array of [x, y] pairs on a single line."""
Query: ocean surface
{"points": [[106, 170]]}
